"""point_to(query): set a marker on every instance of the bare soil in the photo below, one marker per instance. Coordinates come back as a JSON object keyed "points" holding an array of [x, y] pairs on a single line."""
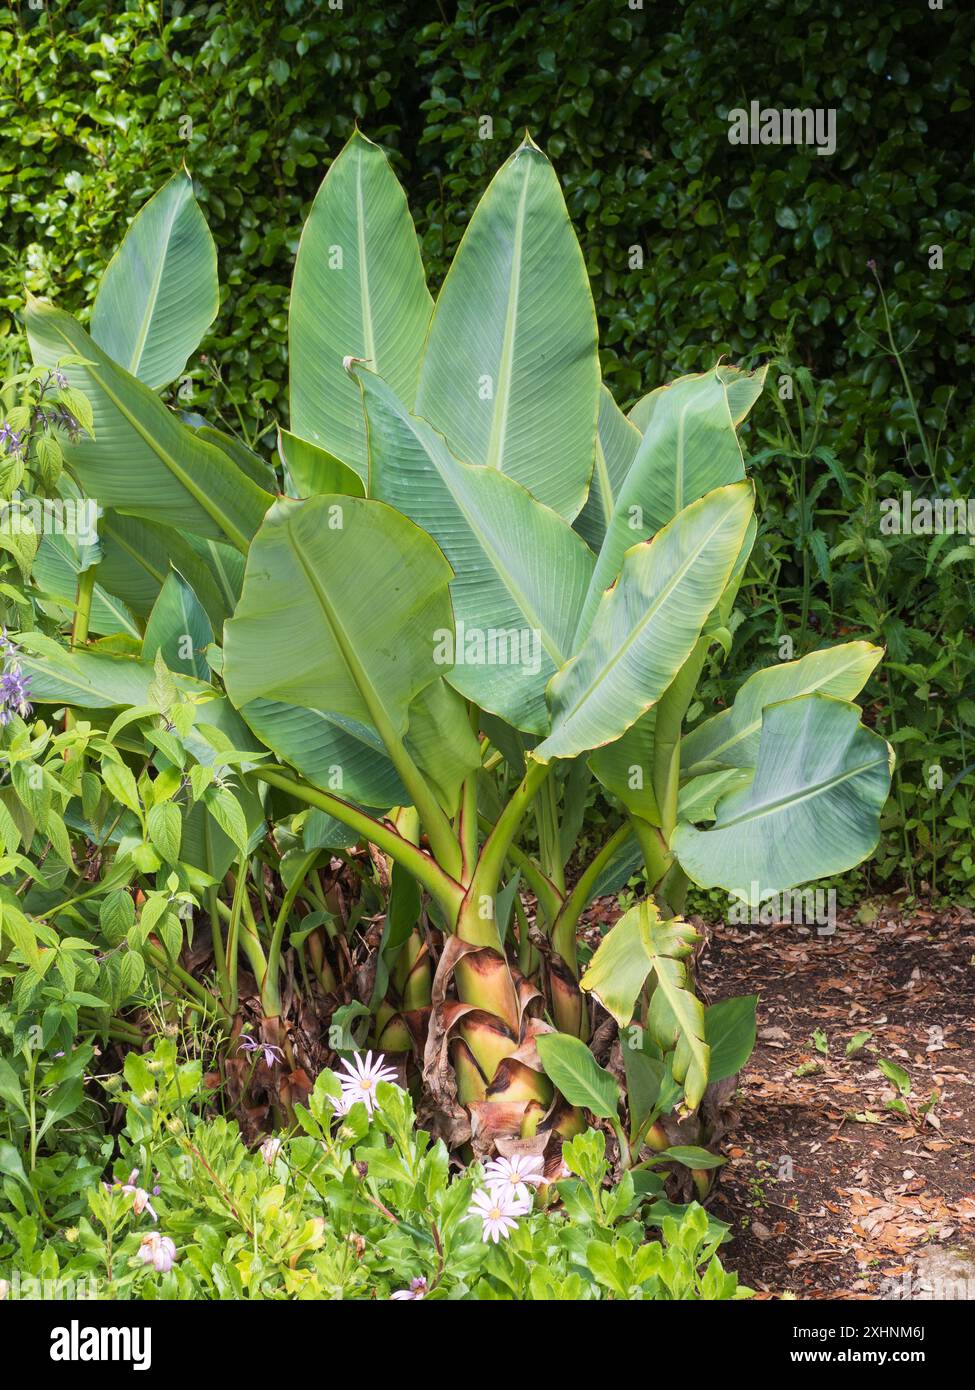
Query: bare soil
{"points": [[831, 1193]]}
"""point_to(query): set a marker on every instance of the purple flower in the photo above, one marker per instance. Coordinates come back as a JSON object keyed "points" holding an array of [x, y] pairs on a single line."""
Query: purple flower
{"points": [[14, 685], [417, 1289], [159, 1251], [140, 1197], [9, 438], [271, 1053]]}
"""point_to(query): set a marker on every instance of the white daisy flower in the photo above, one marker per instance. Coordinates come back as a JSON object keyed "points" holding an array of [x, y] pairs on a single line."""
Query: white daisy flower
{"points": [[362, 1079], [497, 1211], [513, 1176]]}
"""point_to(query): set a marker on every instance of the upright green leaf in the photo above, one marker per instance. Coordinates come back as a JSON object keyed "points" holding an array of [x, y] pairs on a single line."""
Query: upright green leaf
{"points": [[311, 470], [510, 376], [143, 461], [617, 441], [689, 447], [571, 1067], [57, 566], [137, 556], [625, 768], [358, 291], [811, 810], [520, 571], [640, 943], [159, 293], [647, 624], [179, 628], [729, 1027], [339, 755]]}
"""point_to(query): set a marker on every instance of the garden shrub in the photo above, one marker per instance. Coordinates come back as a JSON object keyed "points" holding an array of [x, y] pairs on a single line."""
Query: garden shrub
{"points": [[745, 250]]}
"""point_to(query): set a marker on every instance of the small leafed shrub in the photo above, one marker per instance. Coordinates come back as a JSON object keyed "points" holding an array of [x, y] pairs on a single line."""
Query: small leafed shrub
{"points": [[360, 1204]]}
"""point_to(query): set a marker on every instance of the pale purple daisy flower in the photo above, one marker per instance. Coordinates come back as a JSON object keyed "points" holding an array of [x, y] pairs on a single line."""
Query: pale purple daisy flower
{"points": [[417, 1289], [271, 1053], [497, 1211], [159, 1251]]}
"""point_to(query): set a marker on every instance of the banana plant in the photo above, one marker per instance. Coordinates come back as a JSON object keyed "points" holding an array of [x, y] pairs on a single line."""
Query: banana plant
{"points": [[484, 592]]}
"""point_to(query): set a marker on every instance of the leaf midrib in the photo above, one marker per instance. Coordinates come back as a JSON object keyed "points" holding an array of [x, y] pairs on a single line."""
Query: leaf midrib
{"points": [[817, 789], [499, 416]]}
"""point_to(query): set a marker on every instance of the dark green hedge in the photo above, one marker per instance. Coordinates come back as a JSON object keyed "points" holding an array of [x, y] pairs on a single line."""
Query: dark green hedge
{"points": [[742, 247], [754, 251]]}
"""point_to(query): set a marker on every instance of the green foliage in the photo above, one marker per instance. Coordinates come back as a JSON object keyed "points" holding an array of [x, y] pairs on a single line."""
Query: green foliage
{"points": [[346, 1206], [744, 250]]}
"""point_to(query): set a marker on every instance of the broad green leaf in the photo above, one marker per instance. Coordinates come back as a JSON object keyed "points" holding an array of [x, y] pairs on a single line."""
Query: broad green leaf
{"points": [[572, 1068], [811, 810], [179, 628], [441, 741], [619, 969], [159, 293], [510, 375], [689, 448], [143, 461], [520, 571], [339, 755], [731, 738], [644, 1077], [207, 845], [55, 571], [647, 624], [224, 565], [638, 944], [137, 556], [311, 470], [617, 441], [358, 291], [90, 680], [254, 466], [627, 861], [729, 1030], [625, 768], [342, 597]]}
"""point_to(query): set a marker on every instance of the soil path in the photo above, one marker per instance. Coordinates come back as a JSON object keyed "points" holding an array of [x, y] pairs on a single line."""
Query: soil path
{"points": [[830, 1192]]}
